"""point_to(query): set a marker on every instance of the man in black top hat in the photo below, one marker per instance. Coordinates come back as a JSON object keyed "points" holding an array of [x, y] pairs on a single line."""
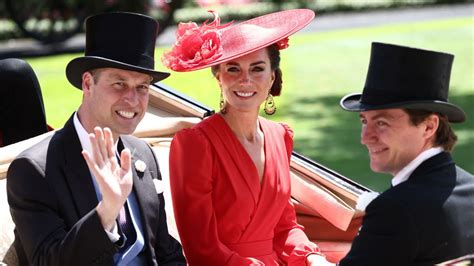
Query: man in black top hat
{"points": [[426, 216], [104, 206]]}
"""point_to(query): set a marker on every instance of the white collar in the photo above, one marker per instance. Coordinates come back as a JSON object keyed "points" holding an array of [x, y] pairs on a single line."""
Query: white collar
{"points": [[405, 173], [83, 135]]}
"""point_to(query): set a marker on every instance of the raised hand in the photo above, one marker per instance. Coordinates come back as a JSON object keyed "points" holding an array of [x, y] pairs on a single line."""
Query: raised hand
{"points": [[115, 180]]}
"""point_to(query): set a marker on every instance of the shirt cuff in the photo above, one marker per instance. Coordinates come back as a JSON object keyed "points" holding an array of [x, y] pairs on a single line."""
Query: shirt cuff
{"points": [[113, 234]]}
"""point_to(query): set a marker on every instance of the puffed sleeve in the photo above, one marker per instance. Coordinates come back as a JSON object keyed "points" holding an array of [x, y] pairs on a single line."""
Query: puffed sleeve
{"points": [[191, 179], [290, 242]]}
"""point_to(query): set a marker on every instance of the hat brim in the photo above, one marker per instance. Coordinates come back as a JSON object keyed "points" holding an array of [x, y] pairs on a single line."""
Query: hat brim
{"points": [[78, 66], [267, 30], [454, 113]]}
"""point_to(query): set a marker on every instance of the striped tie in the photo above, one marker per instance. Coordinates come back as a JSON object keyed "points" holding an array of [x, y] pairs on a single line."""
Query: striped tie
{"points": [[126, 225]]}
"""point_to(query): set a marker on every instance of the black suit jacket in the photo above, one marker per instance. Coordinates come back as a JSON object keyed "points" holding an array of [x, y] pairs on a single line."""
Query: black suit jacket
{"points": [[52, 202], [425, 220]]}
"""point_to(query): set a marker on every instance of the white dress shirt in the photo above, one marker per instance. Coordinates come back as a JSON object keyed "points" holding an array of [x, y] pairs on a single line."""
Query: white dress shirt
{"points": [[405, 173]]}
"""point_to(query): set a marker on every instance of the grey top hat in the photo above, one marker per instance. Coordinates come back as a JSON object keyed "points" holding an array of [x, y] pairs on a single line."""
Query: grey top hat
{"points": [[117, 40], [404, 77]]}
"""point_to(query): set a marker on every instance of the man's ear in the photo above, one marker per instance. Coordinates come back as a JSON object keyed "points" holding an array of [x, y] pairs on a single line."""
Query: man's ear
{"points": [[431, 125], [87, 82]]}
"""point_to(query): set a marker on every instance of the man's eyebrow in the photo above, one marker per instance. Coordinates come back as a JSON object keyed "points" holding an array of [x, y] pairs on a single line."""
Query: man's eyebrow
{"points": [[116, 76], [380, 115]]}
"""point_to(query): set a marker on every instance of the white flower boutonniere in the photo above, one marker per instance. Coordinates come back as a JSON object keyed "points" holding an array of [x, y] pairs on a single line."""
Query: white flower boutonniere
{"points": [[140, 166], [365, 199], [158, 186]]}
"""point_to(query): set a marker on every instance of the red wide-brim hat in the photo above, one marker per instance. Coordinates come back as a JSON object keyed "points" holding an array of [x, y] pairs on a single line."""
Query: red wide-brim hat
{"points": [[198, 47]]}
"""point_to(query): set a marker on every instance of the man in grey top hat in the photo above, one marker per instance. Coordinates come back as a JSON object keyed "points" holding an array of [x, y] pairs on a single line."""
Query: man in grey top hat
{"points": [[426, 216], [99, 207]]}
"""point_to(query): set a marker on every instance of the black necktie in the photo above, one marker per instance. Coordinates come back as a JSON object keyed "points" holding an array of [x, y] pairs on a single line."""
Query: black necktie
{"points": [[126, 226]]}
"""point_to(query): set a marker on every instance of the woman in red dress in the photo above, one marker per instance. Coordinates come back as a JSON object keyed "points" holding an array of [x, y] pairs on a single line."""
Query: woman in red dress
{"points": [[230, 175]]}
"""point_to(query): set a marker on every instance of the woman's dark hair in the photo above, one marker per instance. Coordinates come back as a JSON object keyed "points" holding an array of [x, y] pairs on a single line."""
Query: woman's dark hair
{"points": [[274, 55], [445, 136]]}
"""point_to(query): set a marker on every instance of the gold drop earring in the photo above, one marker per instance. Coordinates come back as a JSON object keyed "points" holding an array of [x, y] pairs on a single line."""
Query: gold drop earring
{"points": [[270, 107]]}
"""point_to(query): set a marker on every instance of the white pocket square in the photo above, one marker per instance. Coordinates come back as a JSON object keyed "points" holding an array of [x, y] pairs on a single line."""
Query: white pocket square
{"points": [[158, 186]]}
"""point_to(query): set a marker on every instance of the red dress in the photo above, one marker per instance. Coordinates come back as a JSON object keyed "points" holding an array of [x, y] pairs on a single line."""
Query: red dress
{"points": [[223, 214]]}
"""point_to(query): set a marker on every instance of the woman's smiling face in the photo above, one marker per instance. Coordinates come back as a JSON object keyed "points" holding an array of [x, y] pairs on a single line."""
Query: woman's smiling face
{"points": [[246, 81]]}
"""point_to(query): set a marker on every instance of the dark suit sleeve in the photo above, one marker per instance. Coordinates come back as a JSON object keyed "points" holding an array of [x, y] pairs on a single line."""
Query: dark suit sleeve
{"points": [[45, 241], [387, 236], [168, 250]]}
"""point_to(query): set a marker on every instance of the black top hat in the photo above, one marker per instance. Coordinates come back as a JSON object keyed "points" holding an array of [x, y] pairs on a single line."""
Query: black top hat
{"points": [[118, 40], [404, 77]]}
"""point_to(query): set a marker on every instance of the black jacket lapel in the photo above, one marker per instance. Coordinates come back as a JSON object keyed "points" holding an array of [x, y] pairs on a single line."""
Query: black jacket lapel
{"points": [[77, 173], [143, 186]]}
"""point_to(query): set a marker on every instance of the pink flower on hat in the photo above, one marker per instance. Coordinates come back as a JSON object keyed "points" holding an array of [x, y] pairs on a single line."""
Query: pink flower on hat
{"points": [[195, 45]]}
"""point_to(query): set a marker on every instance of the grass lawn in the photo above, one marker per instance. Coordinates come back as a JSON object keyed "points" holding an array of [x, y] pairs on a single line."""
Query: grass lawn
{"points": [[318, 69]]}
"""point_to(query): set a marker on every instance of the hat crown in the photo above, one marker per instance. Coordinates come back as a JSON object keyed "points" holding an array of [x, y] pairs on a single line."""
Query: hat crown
{"points": [[403, 74], [120, 40], [133, 43], [405, 77]]}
